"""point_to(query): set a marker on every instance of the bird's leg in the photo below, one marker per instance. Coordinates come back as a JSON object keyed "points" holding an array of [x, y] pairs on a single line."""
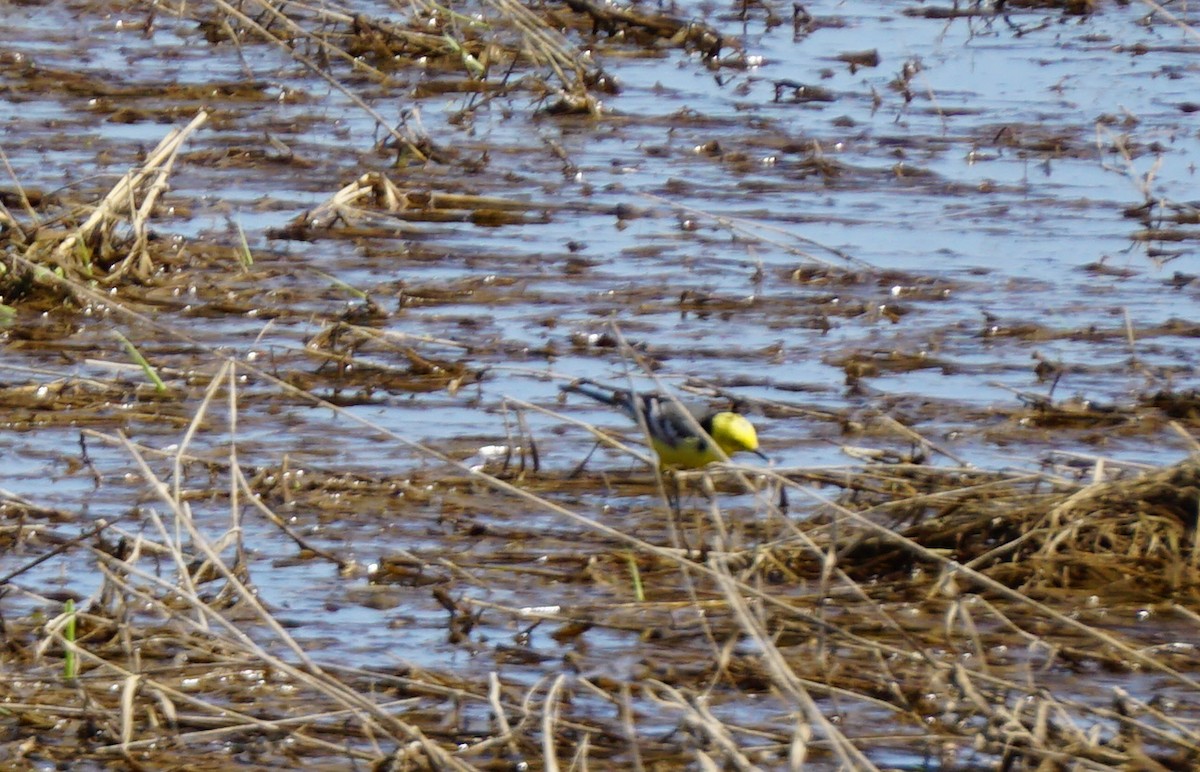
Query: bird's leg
{"points": [[578, 470], [510, 443], [527, 444], [674, 500], [710, 493]]}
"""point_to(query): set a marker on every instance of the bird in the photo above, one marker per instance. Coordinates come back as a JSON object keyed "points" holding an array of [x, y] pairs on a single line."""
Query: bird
{"points": [[672, 435]]}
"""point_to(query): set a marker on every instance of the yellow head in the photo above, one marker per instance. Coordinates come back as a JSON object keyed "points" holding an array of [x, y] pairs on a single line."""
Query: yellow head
{"points": [[734, 433]]}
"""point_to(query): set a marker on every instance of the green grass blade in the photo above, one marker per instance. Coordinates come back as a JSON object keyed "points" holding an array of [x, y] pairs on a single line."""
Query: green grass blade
{"points": [[635, 574], [140, 360], [70, 664], [244, 255]]}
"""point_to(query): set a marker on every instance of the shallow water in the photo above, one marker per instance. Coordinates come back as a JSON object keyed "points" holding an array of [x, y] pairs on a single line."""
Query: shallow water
{"points": [[965, 189]]}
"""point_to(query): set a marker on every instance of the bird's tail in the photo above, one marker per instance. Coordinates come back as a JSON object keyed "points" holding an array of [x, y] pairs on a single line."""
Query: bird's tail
{"points": [[622, 399]]}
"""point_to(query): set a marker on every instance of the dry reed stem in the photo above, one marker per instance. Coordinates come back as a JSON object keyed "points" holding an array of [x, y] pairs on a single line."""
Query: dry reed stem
{"points": [[6, 217], [374, 202], [545, 45], [1042, 727], [697, 717], [550, 708], [184, 520], [786, 680], [1033, 731], [1184, 27], [147, 182], [233, 719], [325, 15], [1033, 740], [351, 701], [311, 674], [409, 142], [953, 568]]}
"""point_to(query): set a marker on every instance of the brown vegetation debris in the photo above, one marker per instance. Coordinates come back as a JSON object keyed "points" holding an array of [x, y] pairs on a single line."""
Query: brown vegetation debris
{"points": [[1136, 535], [1068, 7], [689, 34], [110, 244], [77, 401], [388, 45], [340, 345], [1131, 536], [374, 205], [1178, 405], [1073, 413]]}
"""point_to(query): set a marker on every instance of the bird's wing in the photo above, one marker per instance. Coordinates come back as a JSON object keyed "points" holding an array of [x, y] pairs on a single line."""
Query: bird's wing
{"points": [[668, 423], [665, 419]]}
